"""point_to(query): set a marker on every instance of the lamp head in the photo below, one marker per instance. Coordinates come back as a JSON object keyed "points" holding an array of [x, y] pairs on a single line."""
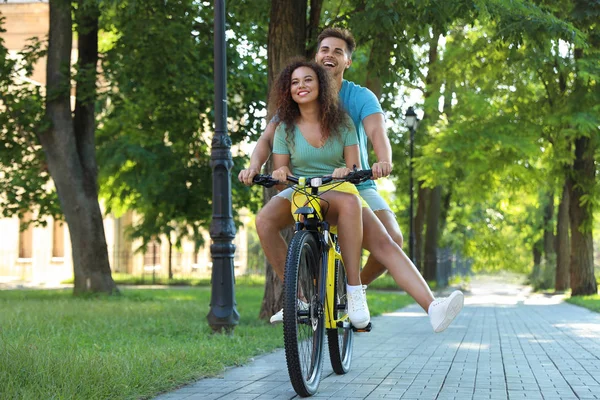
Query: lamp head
{"points": [[411, 118]]}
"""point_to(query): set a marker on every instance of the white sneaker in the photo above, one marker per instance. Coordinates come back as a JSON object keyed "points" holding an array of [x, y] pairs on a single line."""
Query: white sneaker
{"points": [[278, 316], [443, 311], [358, 310]]}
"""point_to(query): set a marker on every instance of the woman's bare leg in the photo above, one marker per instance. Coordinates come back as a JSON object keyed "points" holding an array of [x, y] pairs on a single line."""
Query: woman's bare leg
{"points": [[270, 220], [345, 212]]}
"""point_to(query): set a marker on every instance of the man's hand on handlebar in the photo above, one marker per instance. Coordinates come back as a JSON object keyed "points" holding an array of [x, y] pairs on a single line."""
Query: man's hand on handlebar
{"points": [[381, 169], [245, 176]]}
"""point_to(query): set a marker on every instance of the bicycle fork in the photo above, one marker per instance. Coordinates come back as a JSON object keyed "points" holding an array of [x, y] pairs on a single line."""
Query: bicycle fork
{"points": [[329, 274]]}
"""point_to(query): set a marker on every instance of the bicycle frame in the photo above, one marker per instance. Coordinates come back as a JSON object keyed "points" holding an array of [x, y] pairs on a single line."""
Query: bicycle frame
{"points": [[320, 309], [312, 219]]}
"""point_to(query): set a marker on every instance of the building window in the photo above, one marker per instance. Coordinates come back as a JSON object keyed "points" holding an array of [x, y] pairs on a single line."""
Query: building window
{"points": [[58, 239], [25, 237], [152, 254]]}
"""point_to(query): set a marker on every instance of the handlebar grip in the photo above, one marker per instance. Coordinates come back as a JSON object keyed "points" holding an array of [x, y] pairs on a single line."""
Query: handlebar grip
{"points": [[359, 176], [264, 180]]}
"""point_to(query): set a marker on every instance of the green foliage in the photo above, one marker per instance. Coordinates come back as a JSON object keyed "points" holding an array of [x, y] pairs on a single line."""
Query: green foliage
{"points": [[513, 118], [154, 142], [521, 78], [519, 21], [24, 180]]}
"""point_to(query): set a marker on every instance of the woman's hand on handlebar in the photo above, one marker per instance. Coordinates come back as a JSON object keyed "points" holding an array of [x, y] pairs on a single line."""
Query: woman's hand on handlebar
{"points": [[281, 174], [340, 173]]}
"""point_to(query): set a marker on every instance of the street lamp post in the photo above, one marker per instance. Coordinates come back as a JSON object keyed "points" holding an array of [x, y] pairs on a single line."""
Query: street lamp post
{"points": [[223, 315], [411, 123]]}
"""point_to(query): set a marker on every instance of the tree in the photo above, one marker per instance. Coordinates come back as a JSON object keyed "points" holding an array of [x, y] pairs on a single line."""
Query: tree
{"points": [[69, 143], [563, 243], [154, 141], [47, 141], [582, 178]]}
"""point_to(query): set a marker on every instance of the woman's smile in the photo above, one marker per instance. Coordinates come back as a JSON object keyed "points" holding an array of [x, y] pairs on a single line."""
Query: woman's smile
{"points": [[304, 85]]}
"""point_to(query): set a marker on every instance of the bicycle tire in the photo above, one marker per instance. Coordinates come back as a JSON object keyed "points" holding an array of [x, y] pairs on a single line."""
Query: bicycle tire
{"points": [[341, 339], [304, 332]]}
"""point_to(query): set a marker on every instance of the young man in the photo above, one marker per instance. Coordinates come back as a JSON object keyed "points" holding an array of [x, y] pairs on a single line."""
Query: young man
{"points": [[334, 52]]}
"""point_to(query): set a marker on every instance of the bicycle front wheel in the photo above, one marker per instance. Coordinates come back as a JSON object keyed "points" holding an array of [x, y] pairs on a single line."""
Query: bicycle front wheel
{"points": [[303, 319], [341, 339]]}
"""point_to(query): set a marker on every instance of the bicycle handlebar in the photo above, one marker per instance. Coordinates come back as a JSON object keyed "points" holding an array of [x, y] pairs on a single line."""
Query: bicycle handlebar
{"points": [[354, 177]]}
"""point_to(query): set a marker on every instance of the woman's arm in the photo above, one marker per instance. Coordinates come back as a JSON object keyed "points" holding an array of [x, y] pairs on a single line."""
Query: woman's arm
{"points": [[260, 155], [351, 156], [281, 168]]}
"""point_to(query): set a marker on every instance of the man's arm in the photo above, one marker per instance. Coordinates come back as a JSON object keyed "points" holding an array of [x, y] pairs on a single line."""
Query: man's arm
{"points": [[374, 125], [260, 155]]}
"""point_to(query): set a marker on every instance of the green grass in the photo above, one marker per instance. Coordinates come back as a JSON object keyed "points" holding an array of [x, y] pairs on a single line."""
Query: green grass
{"points": [[128, 279], [55, 346], [590, 302]]}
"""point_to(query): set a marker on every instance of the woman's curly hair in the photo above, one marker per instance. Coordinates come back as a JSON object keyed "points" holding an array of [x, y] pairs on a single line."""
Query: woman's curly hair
{"points": [[285, 109]]}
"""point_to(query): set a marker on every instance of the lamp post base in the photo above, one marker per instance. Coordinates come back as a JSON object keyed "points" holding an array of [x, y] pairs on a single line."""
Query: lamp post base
{"points": [[223, 323]]}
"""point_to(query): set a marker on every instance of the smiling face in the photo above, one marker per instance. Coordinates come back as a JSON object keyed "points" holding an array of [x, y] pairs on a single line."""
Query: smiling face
{"points": [[333, 55], [304, 85]]}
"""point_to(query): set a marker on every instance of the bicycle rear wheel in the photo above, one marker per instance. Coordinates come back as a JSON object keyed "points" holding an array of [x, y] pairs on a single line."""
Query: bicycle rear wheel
{"points": [[303, 319], [340, 340]]}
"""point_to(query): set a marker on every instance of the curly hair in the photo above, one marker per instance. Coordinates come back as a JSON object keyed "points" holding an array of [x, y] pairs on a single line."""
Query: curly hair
{"points": [[286, 110]]}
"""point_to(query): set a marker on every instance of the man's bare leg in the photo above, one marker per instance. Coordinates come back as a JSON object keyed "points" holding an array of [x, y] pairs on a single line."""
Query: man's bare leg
{"points": [[404, 272], [373, 268], [270, 220]]}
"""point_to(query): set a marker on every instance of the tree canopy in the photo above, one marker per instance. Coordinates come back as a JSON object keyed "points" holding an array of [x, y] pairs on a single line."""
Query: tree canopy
{"points": [[507, 90]]}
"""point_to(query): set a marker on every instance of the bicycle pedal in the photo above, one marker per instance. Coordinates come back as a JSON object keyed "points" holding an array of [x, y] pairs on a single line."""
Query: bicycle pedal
{"points": [[365, 329]]}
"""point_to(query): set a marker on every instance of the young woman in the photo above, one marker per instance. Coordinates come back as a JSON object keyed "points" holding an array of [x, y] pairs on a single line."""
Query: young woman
{"points": [[315, 137]]}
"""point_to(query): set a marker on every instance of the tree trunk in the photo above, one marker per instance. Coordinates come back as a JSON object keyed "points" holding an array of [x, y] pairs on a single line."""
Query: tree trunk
{"points": [[430, 116], [422, 195], [287, 39], [563, 243], [170, 265], [379, 58], [312, 30], [69, 148], [581, 179], [537, 260], [287, 34], [431, 234], [548, 266], [549, 238]]}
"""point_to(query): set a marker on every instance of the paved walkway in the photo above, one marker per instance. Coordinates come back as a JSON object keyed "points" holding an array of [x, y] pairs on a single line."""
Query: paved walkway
{"points": [[506, 344]]}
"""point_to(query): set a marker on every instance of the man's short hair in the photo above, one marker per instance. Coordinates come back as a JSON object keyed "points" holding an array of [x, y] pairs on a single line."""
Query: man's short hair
{"points": [[339, 33]]}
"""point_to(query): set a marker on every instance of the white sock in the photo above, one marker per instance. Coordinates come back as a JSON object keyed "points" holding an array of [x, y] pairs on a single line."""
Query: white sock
{"points": [[353, 288]]}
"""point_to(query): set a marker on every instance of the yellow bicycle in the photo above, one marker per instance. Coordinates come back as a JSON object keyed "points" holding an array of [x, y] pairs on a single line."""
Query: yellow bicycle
{"points": [[315, 298]]}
